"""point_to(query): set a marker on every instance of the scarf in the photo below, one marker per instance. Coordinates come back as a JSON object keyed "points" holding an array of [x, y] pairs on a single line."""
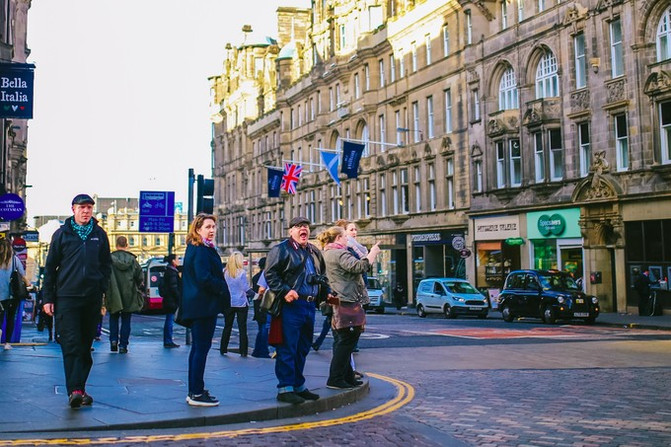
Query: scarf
{"points": [[335, 246], [208, 243], [82, 231], [359, 249]]}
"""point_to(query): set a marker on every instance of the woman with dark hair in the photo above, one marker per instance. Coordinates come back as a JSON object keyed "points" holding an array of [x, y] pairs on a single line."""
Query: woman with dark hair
{"points": [[344, 271], [204, 295]]}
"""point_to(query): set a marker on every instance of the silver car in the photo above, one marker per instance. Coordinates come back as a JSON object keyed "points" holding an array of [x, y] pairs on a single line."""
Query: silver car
{"points": [[450, 296], [376, 295]]}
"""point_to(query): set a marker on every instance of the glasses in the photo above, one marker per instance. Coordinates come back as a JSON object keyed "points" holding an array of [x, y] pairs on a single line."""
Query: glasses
{"points": [[301, 225]]}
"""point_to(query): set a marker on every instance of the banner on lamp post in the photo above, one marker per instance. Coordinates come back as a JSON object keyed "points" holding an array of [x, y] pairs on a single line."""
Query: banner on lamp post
{"points": [[16, 90]]}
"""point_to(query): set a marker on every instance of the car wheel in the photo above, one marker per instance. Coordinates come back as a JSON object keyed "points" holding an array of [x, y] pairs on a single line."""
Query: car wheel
{"points": [[379, 310], [420, 311], [449, 313], [507, 314], [549, 315]]}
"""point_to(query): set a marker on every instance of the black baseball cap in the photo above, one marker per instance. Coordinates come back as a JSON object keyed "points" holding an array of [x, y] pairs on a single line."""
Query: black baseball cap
{"points": [[81, 199], [298, 221]]}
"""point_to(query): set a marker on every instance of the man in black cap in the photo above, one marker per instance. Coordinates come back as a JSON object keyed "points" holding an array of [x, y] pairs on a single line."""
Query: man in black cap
{"points": [[77, 272], [294, 272]]}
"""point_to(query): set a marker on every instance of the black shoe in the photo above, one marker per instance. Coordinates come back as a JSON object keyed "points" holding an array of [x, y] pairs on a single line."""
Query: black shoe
{"points": [[123, 350], [87, 399], [114, 346], [223, 352], [76, 399], [170, 345], [202, 400], [339, 385], [307, 394], [355, 383], [290, 398], [358, 375], [315, 346]]}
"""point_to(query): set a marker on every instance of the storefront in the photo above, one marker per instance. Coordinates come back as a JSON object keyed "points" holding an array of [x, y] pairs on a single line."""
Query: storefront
{"points": [[555, 240], [437, 254], [498, 244]]}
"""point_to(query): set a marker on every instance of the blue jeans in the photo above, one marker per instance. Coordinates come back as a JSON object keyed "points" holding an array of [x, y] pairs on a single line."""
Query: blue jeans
{"points": [[298, 321], [125, 328], [202, 332], [167, 329], [326, 327], [261, 349]]}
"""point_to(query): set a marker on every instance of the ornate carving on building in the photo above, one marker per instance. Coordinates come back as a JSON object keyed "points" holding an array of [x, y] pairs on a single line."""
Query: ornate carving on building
{"points": [[600, 185], [482, 7], [615, 91], [580, 100], [541, 111], [657, 83], [476, 151], [446, 146], [575, 13]]}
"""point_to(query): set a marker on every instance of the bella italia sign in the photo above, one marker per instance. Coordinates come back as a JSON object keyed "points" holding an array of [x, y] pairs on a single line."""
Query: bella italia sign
{"points": [[16, 90]]}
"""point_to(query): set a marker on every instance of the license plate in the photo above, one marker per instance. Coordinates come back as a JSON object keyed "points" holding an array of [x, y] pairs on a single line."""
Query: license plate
{"points": [[473, 308], [581, 314], [580, 300]]}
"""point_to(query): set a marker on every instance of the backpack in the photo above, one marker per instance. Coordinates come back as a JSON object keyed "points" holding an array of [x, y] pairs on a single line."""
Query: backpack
{"points": [[163, 287]]}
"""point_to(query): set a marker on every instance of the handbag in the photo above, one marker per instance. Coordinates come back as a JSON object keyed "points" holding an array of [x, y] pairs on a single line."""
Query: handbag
{"points": [[17, 285], [270, 302], [180, 320], [275, 336], [346, 315]]}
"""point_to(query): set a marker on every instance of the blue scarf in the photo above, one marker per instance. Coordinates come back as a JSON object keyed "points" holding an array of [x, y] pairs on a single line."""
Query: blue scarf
{"points": [[82, 231]]}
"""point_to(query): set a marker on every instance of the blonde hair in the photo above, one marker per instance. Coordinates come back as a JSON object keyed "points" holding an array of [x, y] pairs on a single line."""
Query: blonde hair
{"points": [[234, 264], [6, 252], [193, 237], [330, 235], [342, 223]]}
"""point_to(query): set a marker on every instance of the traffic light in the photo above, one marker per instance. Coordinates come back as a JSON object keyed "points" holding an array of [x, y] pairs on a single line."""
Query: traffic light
{"points": [[205, 195]]}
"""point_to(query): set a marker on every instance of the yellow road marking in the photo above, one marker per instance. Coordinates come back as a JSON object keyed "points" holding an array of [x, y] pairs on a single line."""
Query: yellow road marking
{"points": [[405, 393]]}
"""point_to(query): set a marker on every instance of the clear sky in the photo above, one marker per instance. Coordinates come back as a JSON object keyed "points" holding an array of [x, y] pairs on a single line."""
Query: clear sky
{"points": [[121, 93]]}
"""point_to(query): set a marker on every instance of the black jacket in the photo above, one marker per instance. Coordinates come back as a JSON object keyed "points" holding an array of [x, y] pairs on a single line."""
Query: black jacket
{"points": [[205, 292], [173, 286], [75, 267], [284, 264]]}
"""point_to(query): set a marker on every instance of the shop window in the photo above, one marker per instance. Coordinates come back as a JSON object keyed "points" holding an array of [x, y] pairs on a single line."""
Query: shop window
{"points": [[652, 237], [634, 241], [545, 254]]}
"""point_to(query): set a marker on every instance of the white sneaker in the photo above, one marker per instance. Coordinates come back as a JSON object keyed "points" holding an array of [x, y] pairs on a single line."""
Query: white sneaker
{"points": [[8, 346]]}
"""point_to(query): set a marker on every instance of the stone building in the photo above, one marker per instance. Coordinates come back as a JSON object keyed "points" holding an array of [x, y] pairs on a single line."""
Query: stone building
{"points": [[500, 135]]}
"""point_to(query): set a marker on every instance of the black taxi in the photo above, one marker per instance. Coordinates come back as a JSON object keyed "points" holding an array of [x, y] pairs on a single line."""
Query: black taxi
{"points": [[547, 294]]}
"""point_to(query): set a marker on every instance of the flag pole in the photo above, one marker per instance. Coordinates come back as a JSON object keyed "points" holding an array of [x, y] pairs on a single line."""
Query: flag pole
{"points": [[381, 143]]}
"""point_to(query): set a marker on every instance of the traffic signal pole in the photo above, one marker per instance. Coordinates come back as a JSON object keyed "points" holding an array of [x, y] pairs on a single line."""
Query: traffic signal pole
{"points": [[189, 216]]}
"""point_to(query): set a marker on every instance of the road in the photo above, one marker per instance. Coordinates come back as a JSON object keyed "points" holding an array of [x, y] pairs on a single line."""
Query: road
{"points": [[482, 383]]}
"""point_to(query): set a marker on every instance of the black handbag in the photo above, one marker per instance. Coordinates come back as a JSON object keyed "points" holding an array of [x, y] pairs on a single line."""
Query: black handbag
{"points": [[17, 285]]}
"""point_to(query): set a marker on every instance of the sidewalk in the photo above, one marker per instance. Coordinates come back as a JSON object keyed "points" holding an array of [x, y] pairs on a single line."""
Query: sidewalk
{"points": [[146, 388]]}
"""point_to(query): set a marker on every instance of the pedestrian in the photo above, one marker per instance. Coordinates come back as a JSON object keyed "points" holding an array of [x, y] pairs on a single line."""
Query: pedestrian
{"points": [[204, 295], [76, 276], [359, 251], [261, 316], [172, 295], [345, 275], [238, 286], [295, 273], [124, 294], [9, 305], [399, 295], [642, 284]]}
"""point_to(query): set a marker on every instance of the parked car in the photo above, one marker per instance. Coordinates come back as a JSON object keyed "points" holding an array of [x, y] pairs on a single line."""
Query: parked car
{"points": [[450, 296], [376, 295], [547, 294]]}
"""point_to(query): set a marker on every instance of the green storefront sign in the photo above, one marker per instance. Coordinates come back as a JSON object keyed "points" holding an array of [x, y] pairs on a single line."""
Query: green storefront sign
{"points": [[554, 224]]}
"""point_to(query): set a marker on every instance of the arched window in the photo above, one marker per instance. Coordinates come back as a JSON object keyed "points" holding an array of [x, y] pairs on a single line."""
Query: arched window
{"points": [[547, 81], [508, 91], [664, 36]]}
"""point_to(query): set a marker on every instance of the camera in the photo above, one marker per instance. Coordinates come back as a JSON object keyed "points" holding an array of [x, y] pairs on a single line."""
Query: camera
{"points": [[316, 279]]}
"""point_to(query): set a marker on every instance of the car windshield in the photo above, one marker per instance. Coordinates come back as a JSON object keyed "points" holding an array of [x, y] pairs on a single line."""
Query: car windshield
{"points": [[373, 283], [558, 281], [460, 287]]}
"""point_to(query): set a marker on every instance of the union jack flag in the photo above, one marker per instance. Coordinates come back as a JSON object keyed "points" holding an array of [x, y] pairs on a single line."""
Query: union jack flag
{"points": [[290, 178]]}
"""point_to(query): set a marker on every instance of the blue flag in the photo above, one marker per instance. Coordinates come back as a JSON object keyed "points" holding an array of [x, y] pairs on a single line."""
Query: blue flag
{"points": [[274, 181], [331, 162], [351, 155]]}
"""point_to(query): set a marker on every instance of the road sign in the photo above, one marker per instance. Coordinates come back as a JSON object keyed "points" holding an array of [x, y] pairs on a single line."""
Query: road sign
{"points": [[157, 211]]}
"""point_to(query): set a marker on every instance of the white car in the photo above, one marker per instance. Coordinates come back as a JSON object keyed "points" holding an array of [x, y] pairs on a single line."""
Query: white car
{"points": [[376, 295], [450, 296]]}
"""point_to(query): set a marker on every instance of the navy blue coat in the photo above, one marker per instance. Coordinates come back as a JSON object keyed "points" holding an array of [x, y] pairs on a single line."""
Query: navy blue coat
{"points": [[204, 290]]}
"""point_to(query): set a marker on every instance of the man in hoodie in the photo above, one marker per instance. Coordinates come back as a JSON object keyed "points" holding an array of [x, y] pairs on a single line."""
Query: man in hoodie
{"points": [[124, 294], [76, 275]]}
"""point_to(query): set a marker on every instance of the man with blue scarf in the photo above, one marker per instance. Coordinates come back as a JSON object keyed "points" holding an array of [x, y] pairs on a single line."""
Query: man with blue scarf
{"points": [[77, 272]]}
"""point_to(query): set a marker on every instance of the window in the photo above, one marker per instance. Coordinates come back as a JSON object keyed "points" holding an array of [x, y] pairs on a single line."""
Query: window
{"points": [[504, 14], [268, 225], [520, 10], [366, 197], [508, 91], [131, 241], [477, 181], [399, 134], [621, 142], [413, 49], [515, 160], [585, 150], [337, 94], [665, 122], [580, 61], [539, 157], [617, 68], [415, 121], [541, 5], [469, 28], [446, 41], [427, 45], [312, 109], [449, 183], [383, 129], [500, 164], [405, 192], [476, 105], [448, 110], [357, 86], [556, 155], [319, 102], [394, 191], [547, 81], [343, 32], [664, 37], [298, 114], [380, 64], [432, 187], [366, 73], [418, 190], [401, 64], [331, 99], [383, 195], [429, 115], [392, 68]]}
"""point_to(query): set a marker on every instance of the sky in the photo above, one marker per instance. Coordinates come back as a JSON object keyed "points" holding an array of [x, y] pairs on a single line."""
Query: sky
{"points": [[121, 96]]}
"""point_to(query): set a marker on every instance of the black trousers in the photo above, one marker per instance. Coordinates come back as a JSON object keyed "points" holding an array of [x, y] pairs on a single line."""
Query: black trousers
{"points": [[344, 341], [10, 306], [230, 315], [76, 323]]}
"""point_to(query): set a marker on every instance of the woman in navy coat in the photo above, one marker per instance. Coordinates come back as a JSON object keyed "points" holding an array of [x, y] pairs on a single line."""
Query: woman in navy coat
{"points": [[204, 295]]}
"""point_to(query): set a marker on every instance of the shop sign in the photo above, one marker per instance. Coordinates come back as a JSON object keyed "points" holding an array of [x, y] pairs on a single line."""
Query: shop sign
{"points": [[440, 238], [554, 224], [11, 207], [497, 228], [514, 241], [16, 90]]}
